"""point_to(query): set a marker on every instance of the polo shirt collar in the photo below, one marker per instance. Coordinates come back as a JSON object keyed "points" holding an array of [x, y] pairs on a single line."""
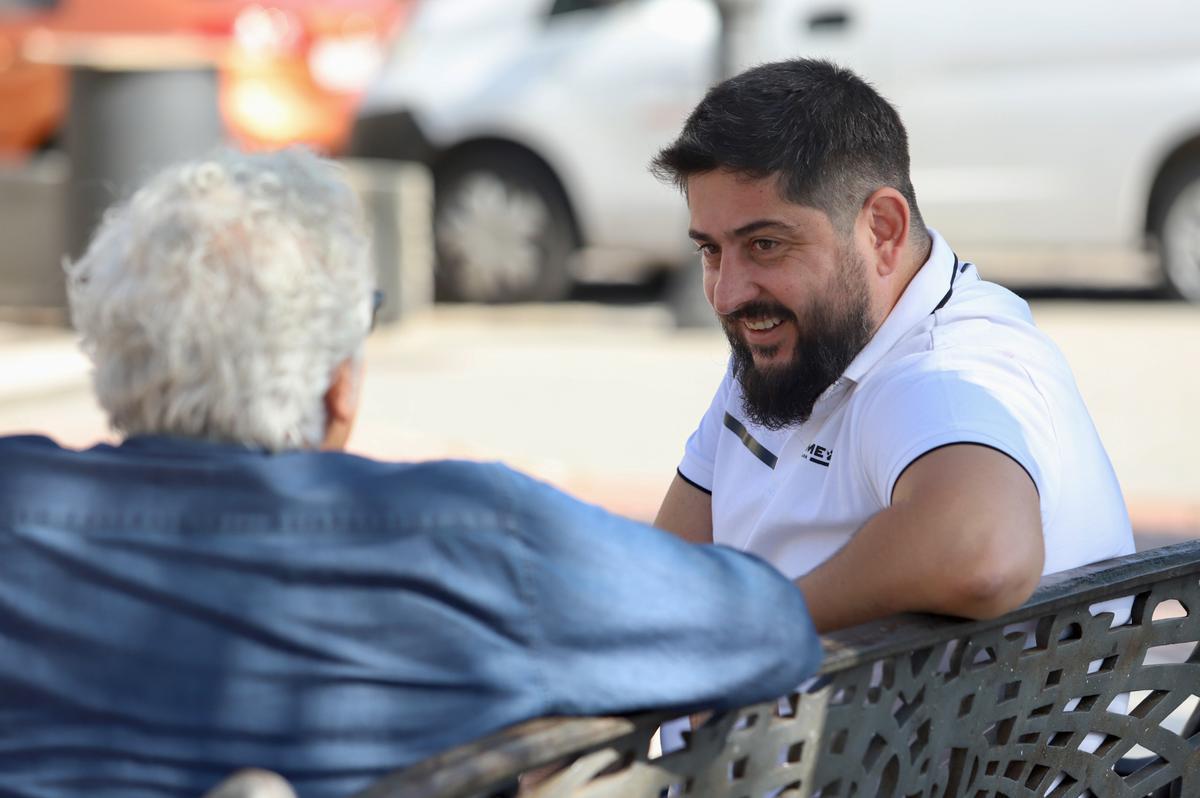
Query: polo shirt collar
{"points": [[925, 292]]}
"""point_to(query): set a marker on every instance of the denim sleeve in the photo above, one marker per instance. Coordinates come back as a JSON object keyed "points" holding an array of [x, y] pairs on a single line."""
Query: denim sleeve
{"points": [[626, 617]]}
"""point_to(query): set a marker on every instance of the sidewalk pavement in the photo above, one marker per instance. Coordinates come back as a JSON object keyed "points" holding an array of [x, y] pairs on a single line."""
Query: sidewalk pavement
{"points": [[38, 361], [600, 399]]}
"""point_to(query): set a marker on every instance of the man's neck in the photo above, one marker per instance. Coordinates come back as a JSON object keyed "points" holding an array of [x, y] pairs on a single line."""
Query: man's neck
{"points": [[917, 256], [921, 253]]}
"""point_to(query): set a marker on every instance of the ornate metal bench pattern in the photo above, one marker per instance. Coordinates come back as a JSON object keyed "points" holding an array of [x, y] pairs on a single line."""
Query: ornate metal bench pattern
{"points": [[914, 707]]}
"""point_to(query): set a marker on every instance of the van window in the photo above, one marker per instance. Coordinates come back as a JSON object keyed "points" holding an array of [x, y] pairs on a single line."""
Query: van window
{"points": [[567, 6], [20, 6]]}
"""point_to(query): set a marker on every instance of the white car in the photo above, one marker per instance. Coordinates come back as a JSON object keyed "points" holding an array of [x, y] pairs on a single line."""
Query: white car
{"points": [[1052, 142]]}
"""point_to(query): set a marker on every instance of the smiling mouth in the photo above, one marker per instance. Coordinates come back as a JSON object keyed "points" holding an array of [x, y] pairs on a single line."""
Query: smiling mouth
{"points": [[762, 325]]}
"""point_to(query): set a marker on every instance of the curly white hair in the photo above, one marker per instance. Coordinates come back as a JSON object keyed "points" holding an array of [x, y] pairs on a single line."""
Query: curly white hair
{"points": [[217, 301]]}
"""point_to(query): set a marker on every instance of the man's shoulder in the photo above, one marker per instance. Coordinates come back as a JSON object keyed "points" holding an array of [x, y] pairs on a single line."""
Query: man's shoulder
{"points": [[980, 311], [189, 477], [456, 487], [977, 358], [358, 467], [27, 453], [983, 327], [29, 443], [465, 482], [965, 364]]}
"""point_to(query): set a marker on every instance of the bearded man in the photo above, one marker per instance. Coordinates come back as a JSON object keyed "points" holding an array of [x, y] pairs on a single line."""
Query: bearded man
{"points": [[893, 432]]}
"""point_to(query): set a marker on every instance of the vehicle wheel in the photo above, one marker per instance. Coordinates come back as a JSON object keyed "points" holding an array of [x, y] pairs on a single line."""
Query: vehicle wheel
{"points": [[1178, 229], [502, 229]]}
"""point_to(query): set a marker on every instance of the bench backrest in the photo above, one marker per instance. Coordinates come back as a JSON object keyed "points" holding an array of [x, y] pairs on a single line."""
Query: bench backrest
{"points": [[915, 706]]}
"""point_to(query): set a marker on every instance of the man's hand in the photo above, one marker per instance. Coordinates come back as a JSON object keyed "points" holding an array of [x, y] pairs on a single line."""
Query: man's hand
{"points": [[963, 536], [686, 511]]}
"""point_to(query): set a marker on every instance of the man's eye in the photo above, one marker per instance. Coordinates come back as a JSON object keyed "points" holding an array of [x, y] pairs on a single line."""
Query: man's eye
{"points": [[706, 249], [764, 244]]}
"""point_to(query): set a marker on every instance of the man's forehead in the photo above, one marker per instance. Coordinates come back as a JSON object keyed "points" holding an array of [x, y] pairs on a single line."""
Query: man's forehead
{"points": [[725, 202]]}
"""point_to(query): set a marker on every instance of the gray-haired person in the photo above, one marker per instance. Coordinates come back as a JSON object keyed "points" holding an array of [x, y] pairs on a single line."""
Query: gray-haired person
{"points": [[216, 592]]}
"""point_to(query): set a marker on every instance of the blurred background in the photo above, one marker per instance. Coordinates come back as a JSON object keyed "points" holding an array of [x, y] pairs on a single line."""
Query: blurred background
{"points": [[544, 301]]}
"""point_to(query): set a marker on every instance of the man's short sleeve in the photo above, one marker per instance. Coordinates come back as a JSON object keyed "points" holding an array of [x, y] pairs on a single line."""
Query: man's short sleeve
{"points": [[931, 402], [700, 453]]}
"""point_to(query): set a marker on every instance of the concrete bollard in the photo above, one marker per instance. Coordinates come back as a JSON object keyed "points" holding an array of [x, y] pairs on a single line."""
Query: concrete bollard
{"points": [[32, 201], [124, 125], [398, 198]]}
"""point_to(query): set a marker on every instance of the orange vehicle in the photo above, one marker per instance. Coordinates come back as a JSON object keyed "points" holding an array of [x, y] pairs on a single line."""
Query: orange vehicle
{"points": [[290, 71]]}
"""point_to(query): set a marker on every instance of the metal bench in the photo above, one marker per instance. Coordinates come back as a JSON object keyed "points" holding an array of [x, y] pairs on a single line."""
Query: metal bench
{"points": [[912, 706]]}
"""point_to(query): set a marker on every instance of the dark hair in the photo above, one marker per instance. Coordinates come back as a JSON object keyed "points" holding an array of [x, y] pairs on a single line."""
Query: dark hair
{"points": [[828, 135]]}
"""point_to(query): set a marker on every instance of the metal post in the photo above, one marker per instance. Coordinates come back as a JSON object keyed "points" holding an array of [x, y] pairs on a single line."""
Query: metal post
{"points": [[686, 287], [735, 16], [398, 200], [32, 286], [123, 126]]}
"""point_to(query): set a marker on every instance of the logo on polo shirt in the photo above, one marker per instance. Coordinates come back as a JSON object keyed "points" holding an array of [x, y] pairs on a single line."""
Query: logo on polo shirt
{"points": [[818, 454]]}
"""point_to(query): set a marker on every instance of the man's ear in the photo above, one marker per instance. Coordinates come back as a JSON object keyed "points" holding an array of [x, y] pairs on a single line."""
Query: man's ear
{"points": [[887, 219], [341, 404]]}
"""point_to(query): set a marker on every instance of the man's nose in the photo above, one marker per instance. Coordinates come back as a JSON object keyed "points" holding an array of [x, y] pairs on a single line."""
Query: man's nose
{"points": [[732, 285]]}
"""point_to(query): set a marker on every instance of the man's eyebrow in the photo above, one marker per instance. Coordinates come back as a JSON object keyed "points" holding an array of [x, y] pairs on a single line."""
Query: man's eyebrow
{"points": [[750, 227], [761, 224]]}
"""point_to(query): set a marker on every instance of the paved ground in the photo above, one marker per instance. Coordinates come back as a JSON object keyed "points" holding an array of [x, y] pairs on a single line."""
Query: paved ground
{"points": [[599, 398]]}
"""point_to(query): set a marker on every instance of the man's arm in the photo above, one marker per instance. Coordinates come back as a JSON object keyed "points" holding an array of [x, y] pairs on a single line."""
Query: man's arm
{"points": [[963, 536], [624, 617], [686, 511]]}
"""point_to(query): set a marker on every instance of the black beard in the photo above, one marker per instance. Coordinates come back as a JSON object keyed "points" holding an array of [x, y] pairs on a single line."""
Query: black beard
{"points": [[829, 338]]}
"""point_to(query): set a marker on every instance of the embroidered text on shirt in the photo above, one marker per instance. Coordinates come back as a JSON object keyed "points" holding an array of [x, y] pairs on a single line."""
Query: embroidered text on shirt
{"points": [[818, 454]]}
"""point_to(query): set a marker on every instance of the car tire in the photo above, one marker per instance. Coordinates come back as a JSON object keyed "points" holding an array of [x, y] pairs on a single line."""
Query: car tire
{"points": [[1177, 227], [502, 229]]}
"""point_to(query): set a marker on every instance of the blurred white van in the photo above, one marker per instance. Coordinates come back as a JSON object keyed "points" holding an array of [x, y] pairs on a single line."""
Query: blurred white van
{"points": [[1052, 142]]}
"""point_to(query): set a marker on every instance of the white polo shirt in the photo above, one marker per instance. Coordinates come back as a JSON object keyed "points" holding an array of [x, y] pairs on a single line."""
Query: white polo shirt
{"points": [[958, 360]]}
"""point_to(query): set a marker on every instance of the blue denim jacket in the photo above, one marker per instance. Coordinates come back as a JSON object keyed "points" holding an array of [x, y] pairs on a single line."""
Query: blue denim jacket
{"points": [[171, 610]]}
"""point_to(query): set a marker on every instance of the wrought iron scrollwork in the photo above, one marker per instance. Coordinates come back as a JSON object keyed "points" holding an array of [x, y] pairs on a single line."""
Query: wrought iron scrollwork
{"points": [[1089, 689]]}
